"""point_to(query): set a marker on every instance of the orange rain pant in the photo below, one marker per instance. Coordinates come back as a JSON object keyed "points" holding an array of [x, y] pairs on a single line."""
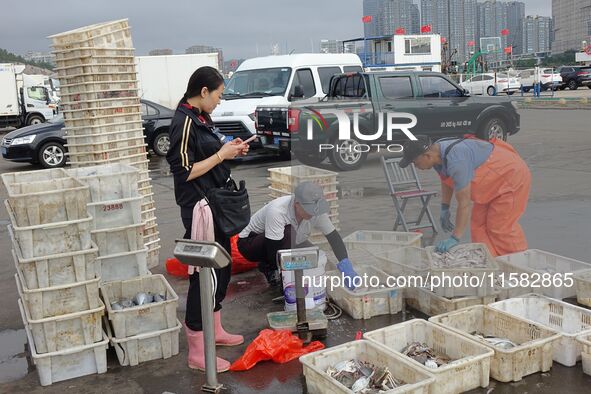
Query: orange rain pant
{"points": [[499, 191]]}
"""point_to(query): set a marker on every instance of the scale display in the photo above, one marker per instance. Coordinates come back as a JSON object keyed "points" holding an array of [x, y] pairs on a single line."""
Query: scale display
{"points": [[298, 259], [201, 253]]}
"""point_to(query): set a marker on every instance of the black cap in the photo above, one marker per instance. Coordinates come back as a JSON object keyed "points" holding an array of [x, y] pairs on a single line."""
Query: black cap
{"points": [[413, 149]]}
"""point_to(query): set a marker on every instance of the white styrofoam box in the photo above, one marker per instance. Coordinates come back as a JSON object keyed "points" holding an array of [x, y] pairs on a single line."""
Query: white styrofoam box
{"points": [[585, 343], [119, 239], [539, 262], [144, 318], [65, 331], [567, 319], [149, 346], [474, 275], [532, 354], [116, 213], [366, 302], [69, 364], [58, 300], [108, 182], [374, 241], [406, 260], [431, 304], [56, 269], [470, 368], [318, 382], [583, 287], [51, 238], [123, 265]]}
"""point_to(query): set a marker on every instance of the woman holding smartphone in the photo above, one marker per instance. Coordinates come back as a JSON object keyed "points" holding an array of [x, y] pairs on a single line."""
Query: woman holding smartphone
{"points": [[197, 158]]}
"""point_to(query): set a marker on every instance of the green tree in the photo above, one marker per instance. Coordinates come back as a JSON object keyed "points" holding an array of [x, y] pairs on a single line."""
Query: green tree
{"points": [[8, 57]]}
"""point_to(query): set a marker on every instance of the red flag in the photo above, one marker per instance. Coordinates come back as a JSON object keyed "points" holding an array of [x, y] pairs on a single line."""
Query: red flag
{"points": [[443, 40], [471, 43], [367, 19], [426, 29], [508, 50], [505, 32], [400, 30]]}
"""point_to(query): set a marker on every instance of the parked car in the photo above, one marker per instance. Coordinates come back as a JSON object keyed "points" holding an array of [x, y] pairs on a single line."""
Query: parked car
{"points": [[441, 109], [492, 84], [549, 78], [44, 143], [575, 76]]}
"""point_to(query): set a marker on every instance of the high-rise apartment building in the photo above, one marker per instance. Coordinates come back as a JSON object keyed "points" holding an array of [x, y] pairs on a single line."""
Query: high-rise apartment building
{"points": [[572, 24]]}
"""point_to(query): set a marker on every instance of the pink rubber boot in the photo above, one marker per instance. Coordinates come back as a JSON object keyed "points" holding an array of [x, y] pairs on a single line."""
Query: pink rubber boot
{"points": [[196, 357], [222, 338]]}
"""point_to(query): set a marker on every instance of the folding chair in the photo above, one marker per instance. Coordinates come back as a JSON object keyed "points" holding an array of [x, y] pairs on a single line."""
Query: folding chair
{"points": [[399, 180]]}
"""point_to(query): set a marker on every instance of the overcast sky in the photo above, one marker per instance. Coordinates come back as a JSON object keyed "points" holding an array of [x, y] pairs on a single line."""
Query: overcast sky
{"points": [[239, 27]]}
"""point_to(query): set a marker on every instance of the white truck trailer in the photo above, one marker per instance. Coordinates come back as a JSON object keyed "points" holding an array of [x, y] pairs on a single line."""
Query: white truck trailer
{"points": [[23, 101], [163, 79]]}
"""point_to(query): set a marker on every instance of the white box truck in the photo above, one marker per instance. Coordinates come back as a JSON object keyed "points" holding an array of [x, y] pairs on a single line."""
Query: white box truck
{"points": [[163, 79], [22, 100]]}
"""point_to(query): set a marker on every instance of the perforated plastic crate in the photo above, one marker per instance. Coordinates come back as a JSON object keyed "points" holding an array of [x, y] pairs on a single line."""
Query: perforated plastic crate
{"points": [[101, 138], [102, 120], [90, 52], [98, 83], [585, 343], [108, 182], [583, 287], [119, 239], [75, 98], [318, 382], [99, 104], [143, 318], [406, 260], [470, 368], [294, 175], [154, 256], [532, 354], [330, 196], [115, 34], [33, 176], [424, 300], [116, 213], [567, 319], [76, 114], [131, 159], [374, 241], [89, 60], [124, 266]]}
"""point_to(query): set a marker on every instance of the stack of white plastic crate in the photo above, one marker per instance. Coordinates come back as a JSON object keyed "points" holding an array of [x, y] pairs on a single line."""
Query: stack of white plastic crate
{"points": [[57, 273], [284, 180], [101, 107]]}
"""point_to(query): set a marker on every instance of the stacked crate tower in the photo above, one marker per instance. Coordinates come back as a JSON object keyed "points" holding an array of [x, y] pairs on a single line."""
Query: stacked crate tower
{"points": [[101, 107], [58, 273]]}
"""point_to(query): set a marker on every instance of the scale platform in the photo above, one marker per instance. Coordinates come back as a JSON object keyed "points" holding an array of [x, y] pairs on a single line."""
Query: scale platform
{"points": [[288, 320]]}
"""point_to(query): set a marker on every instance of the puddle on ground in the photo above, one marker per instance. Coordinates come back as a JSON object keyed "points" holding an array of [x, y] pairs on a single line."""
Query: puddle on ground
{"points": [[13, 360]]}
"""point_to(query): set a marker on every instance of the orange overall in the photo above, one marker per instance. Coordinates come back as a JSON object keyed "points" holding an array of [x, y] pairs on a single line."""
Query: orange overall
{"points": [[499, 192]]}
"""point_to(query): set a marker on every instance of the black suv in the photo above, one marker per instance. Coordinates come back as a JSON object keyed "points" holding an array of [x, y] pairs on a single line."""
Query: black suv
{"points": [[44, 143], [575, 76]]}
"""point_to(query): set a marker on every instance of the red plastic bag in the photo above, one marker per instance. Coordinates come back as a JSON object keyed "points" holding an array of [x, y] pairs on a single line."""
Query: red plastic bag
{"points": [[279, 346], [175, 268], [239, 262]]}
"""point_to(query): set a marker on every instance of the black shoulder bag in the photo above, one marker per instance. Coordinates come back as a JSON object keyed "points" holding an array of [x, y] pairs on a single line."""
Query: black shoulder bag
{"points": [[229, 204]]}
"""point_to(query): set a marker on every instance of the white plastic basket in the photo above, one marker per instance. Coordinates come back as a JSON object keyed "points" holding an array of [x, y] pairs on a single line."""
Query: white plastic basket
{"points": [[63, 332], [318, 382], [69, 364], [150, 346], [365, 303], [57, 269], [102, 120], [80, 54], [144, 318], [539, 262], [374, 241], [583, 287], [471, 368], [111, 154], [567, 319], [122, 133], [293, 175], [116, 213], [431, 304], [585, 343], [154, 256], [123, 266], [33, 176], [58, 300], [330, 197], [406, 260], [51, 238], [89, 60], [131, 159], [74, 98], [108, 182], [119, 239], [456, 276], [93, 147], [532, 354], [88, 33], [97, 83], [99, 103]]}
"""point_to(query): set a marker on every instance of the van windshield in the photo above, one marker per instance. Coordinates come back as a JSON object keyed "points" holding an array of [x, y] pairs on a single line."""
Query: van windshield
{"points": [[258, 83]]}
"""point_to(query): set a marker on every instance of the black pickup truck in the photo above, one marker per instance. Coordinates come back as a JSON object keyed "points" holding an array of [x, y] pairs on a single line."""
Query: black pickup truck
{"points": [[368, 112]]}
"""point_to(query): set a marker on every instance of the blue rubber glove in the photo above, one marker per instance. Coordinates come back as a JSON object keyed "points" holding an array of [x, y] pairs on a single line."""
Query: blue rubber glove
{"points": [[346, 268], [445, 219], [446, 244]]}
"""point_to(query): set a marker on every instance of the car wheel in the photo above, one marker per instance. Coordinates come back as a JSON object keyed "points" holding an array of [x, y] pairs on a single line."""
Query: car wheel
{"points": [[493, 128], [34, 119], [52, 155], [309, 159], [491, 91], [348, 156], [161, 144], [572, 85]]}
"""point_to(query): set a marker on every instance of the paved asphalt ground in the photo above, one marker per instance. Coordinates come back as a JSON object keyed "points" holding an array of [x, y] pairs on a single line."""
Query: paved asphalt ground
{"points": [[557, 147]]}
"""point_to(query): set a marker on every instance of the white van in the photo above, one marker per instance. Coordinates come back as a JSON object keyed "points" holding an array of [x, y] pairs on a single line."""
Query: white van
{"points": [[276, 80]]}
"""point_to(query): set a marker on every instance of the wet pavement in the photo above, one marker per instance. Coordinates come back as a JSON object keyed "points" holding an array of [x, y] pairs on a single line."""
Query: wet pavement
{"points": [[557, 147]]}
